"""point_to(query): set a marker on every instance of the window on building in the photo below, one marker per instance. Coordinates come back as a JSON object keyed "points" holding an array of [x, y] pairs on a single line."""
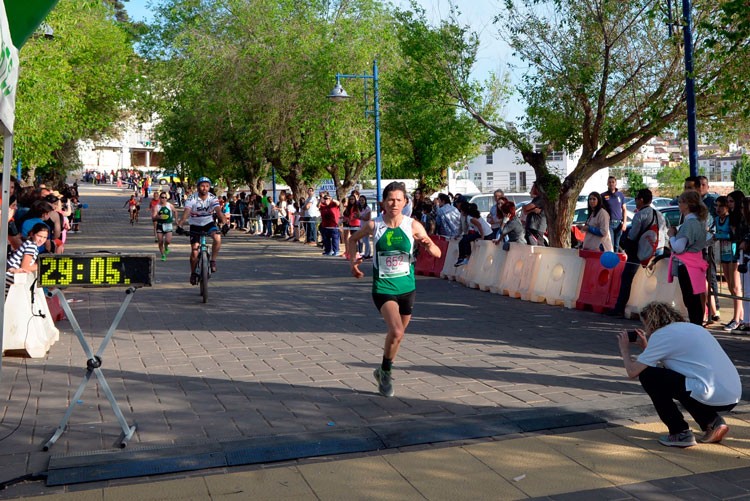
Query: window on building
{"points": [[488, 155], [555, 156], [522, 182], [477, 178], [512, 186]]}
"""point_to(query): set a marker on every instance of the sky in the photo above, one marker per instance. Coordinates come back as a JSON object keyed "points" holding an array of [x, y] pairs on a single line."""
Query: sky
{"points": [[493, 53]]}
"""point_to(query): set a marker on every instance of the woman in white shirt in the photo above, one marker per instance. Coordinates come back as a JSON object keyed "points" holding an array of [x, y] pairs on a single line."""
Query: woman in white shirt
{"points": [[478, 228]]}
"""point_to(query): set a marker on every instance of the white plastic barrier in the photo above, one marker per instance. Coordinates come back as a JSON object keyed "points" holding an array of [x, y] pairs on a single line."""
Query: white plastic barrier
{"points": [[492, 267], [558, 276], [519, 272], [28, 326], [481, 257], [451, 256], [652, 285]]}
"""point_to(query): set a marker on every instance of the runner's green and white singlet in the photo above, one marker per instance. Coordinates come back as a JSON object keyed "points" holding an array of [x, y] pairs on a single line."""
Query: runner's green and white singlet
{"points": [[393, 266], [164, 215]]}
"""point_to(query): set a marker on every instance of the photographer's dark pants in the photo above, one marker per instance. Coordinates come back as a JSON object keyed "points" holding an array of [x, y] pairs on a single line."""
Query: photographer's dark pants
{"points": [[664, 386]]}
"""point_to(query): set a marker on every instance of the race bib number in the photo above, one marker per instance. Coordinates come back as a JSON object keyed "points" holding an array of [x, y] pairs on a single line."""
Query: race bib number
{"points": [[166, 227], [393, 264]]}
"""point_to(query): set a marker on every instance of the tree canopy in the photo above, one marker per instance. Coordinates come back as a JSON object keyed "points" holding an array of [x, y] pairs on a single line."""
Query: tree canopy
{"points": [[77, 85], [601, 78]]}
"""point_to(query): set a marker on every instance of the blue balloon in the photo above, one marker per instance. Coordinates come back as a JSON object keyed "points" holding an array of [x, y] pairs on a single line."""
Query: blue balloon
{"points": [[609, 260], [85, 206]]}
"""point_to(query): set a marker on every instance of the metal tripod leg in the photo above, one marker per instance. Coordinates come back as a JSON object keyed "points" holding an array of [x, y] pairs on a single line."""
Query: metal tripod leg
{"points": [[93, 364]]}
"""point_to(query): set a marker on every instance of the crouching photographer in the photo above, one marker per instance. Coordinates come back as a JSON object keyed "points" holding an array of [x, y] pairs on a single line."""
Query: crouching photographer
{"points": [[684, 362]]}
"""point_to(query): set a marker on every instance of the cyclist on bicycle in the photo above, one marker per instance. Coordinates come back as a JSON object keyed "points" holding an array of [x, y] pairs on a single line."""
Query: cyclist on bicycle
{"points": [[200, 208]]}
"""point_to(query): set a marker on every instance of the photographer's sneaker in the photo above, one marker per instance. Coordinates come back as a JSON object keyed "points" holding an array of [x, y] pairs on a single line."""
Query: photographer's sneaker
{"points": [[682, 439], [715, 431], [385, 382], [731, 326]]}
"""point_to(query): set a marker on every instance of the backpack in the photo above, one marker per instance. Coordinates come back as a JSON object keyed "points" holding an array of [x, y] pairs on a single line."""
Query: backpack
{"points": [[648, 240]]}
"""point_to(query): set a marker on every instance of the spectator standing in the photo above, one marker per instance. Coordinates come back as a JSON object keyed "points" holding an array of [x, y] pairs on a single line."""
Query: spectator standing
{"points": [[687, 262], [282, 210], [597, 226], [330, 213], [725, 234], [640, 244], [447, 218], [365, 215], [351, 218], [536, 220], [312, 213], [711, 252], [618, 214]]}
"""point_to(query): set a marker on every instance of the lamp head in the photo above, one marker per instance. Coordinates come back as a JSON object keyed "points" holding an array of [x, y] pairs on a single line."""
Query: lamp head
{"points": [[338, 94]]}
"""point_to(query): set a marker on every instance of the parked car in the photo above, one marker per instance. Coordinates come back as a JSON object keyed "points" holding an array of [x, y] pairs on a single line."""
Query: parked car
{"points": [[167, 178], [657, 203], [486, 200], [671, 215]]}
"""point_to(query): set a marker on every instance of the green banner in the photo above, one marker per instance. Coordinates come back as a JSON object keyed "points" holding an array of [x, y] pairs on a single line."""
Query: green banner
{"points": [[25, 16]]}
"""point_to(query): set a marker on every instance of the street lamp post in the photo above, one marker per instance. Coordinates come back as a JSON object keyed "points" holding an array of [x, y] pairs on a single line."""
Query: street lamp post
{"points": [[338, 94], [690, 87]]}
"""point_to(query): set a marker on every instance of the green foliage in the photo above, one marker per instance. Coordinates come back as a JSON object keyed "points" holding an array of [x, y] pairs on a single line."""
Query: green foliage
{"points": [[635, 182], [73, 86], [428, 130], [741, 174], [672, 179], [241, 86]]}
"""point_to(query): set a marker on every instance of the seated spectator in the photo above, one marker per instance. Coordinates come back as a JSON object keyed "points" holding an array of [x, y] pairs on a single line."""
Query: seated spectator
{"points": [[512, 230], [682, 361], [478, 228], [447, 218]]}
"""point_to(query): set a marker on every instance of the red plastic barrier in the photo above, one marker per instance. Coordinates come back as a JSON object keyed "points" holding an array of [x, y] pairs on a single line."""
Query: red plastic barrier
{"points": [[600, 286], [55, 310], [426, 264]]}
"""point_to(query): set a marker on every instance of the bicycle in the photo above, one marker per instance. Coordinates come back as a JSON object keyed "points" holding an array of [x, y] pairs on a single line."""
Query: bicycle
{"points": [[203, 267]]}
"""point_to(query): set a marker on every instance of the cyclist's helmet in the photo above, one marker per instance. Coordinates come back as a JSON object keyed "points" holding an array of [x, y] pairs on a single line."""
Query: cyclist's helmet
{"points": [[203, 180]]}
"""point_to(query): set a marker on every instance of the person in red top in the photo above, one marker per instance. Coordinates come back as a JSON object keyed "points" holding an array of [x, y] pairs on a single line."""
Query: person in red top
{"points": [[330, 212], [351, 217]]}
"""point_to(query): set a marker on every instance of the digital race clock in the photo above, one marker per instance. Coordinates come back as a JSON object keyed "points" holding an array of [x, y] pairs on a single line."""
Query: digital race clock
{"points": [[96, 270]]}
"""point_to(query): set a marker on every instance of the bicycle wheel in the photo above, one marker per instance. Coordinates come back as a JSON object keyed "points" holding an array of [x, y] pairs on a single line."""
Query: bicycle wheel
{"points": [[204, 276]]}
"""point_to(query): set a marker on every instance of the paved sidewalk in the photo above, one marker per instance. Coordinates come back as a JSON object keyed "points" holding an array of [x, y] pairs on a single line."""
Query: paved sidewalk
{"points": [[284, 352]]}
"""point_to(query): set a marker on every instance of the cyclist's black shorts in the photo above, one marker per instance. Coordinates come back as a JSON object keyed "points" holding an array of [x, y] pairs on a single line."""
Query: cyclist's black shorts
{"points": [[195, 231], [405, 301]]}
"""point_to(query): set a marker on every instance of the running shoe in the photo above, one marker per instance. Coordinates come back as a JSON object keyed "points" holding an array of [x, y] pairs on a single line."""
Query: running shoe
{"points": [[682, 439], [163, 257], [194, 279], [715, 431], [731, 326], [166, 250], [213, 266], [385, 382], [461, 262]]}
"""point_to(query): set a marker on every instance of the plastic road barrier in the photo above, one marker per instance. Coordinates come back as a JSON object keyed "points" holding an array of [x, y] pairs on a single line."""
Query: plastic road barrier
{"points": [[518, 273], [28, 324], [558, 277], [599, 286], [451, 256], [652, 285]]}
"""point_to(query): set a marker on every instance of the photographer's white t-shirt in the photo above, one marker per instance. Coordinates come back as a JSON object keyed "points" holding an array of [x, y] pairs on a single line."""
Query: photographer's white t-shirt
{"points": [[692, 351]]}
